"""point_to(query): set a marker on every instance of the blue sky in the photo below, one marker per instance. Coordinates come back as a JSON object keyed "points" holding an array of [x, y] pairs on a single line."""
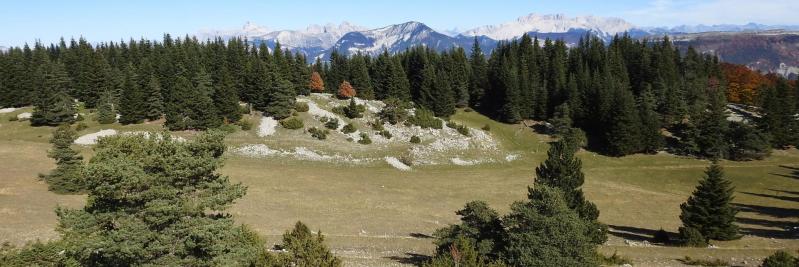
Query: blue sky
{"points": [[26, 21]]}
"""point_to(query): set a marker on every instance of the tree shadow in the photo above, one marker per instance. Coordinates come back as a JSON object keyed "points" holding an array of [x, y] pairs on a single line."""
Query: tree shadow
{"points": [[786, 192], [794, 172], [768, 211], [411, 258], [786, 198], [420, 236]]}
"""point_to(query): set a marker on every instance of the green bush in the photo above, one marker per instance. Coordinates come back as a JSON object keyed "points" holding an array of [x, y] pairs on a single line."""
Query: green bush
{"points": [[365, 140], [692, 237], [292, 123], [324, 119], [426, 119], [780, 259], [80, 117], [349, 128], [13, 118], [331, 124], [245, 124], [35, 254], [244, 109], [614, 260], [228, 128], [338, 110], [415, 139], [486, 128], [81, 126], [385, 134], [702, 262], [406, 158], [353, 110], [394, 111], [468, 109], [452, 125], [318, 133], [462, 129], [301, 107], [377, 125]]}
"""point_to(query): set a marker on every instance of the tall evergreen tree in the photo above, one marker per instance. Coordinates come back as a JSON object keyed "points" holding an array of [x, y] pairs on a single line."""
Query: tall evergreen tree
{"points": [[712, 126], [154, 106], [226, 99], [779, 115], [709, 210], [67, 177], [651, 138], [106, 109], [478, 77], [53, 105], [281, 100], [132, 106], [623, 136]]}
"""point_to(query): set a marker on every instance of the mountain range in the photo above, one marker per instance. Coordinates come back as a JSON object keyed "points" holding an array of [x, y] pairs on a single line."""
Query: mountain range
{"points": [[318, 41]]}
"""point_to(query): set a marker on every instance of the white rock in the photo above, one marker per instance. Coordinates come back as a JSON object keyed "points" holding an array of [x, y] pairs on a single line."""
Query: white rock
{"points": [[396, 163], [24, 115], [91, 139], [7, 110], [267, 126]]}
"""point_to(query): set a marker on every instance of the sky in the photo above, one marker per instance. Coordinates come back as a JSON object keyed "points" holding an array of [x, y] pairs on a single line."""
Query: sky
{"points": [[110, 20]]}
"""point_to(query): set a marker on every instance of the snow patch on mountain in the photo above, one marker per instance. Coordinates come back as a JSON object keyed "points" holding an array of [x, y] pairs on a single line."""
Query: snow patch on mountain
{"points": [[558, 23]]}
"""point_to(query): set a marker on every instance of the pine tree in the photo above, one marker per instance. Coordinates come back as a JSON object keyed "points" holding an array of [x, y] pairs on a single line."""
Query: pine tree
{"points": [[131, 105], [709, 209], [778, 115], [53, 105], [713, 125], [316, 84], [651, 138], [106, 109], [154, 106], [544, 231], [173, 213], [67, 176], [361, 79], [306, 249], [563, 170], [281, 100], [203, 110], [623, 136], [478, 78], [226, 99]]}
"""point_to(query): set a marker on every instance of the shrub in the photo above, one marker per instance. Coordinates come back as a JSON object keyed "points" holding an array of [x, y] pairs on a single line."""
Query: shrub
{"points": [[462, 129], [301, 107], [661, 236], [244, 109], [365, 140], [575, 138], [245, 125], [701, 262], [394, 111], [377, 125], [614, 260], [406, 158], [692, 237], [338, 110], [228, 128], [426, 119], [292, 123], [81, 126], [331, 123], [353, 110], [385, 134], [318, 133], [468, 109], [349, 128], [324, 119], [780, 259], [415, 139], [486, 128], [80, 117], [452, 125], [349, 139], [13, 118]]}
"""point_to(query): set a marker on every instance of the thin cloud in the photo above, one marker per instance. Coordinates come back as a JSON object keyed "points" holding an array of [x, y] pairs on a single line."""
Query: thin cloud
{"points": [[677, 12]]}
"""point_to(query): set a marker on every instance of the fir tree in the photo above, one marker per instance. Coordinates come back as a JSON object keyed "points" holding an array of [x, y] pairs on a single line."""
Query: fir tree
{"points": [[281, 100], [306, 249], [778, 115], [651, 138], [478, 77], [154, 106], [709, 209], [132, 105], [106, 111], [53, 105], [67, 176], [226, 99], [360, 78], [203, 110], [624, 125], [712, 126]]}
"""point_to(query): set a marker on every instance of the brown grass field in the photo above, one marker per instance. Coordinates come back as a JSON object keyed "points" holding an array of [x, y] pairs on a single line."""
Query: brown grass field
{"points": [[378, 216]]}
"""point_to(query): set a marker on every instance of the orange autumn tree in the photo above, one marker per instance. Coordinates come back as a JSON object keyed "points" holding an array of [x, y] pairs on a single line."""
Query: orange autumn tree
{"points": [[316, 84], [743, 83], [345, 90]]}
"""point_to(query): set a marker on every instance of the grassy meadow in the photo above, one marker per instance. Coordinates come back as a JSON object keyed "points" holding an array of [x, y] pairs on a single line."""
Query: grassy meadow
{"points": [[375, 215]]}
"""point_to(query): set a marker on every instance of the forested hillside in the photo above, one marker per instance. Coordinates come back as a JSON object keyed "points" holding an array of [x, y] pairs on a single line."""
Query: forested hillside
{"points": [[627, 97]]}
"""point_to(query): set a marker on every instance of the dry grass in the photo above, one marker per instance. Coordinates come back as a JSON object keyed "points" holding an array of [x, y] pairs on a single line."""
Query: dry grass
{"points": [[377, 216]]}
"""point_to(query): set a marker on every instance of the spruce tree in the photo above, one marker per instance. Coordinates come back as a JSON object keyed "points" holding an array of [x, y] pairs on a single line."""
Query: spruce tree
{"points": [[154, 106], [651, 138], [563, 170], [360, 78], [203, 110], [132, 103], [623, 135], [544, 231], [53, 105], [709, 210], [67, 176], [478, 77], [713, 125], [778, 115], [106, 109], [306, 249], [281, 100], [226, 99]]}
